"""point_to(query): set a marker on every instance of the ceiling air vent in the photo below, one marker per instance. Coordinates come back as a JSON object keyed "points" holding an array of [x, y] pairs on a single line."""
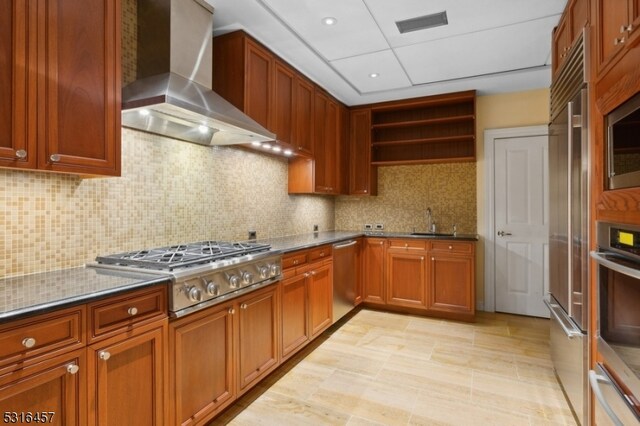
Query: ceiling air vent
{"points": [[422, 22]]}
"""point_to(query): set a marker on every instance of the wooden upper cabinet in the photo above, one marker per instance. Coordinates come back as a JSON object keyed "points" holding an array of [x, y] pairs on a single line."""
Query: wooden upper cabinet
{"points": [[257, 94], [326, 140], [363, 177], [303, 116], [616, 27], [63, 67], [283, 102], [561, 43], [17, 111]]}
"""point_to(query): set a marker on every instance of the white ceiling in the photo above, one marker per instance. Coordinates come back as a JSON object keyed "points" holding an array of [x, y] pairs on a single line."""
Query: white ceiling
{"points": [[492, 46]]}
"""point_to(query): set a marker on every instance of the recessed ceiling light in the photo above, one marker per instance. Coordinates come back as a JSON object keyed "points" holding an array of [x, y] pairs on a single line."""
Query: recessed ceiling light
{"points": [[329, 20], [203, 129], [374, 75]]}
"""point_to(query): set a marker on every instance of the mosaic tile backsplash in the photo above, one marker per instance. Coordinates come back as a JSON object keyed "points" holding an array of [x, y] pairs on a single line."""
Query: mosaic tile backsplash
{"points": [[169, 192], [405, 192]]}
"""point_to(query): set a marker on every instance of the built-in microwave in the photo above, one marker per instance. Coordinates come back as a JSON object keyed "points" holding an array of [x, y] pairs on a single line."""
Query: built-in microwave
{"points": [[618, 321], [623, 145]]}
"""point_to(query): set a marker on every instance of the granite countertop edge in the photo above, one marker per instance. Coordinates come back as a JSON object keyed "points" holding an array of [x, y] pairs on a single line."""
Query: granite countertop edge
{"points": [[13, 290]]}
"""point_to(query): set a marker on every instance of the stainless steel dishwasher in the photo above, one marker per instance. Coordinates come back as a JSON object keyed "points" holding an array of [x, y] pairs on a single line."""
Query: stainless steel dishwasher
{"points": [[345, 275]]}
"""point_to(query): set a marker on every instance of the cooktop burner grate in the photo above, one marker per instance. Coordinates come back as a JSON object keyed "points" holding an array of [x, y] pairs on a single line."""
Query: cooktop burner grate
{"points": [[178, 256]]}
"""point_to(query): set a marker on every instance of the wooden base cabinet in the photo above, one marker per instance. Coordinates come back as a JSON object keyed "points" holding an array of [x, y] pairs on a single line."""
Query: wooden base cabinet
{"points": [[202, 362], [257, 336], [373, 271], [406, 279], [452, 283], [295, 306], [320, 297], [55, 391], [127, 374]]}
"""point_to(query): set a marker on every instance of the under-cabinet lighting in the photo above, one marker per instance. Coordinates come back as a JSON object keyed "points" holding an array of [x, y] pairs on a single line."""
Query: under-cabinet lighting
{"points": [[276, 149], [288, 152], [266, 146], [255, 143]]}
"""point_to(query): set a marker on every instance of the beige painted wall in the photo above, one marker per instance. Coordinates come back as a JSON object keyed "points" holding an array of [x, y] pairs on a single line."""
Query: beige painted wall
{"points": [[517, 109]]}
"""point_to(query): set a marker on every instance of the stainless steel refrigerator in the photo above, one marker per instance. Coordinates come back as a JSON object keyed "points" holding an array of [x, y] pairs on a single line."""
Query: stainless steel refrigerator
{"points": [[569, 229]]}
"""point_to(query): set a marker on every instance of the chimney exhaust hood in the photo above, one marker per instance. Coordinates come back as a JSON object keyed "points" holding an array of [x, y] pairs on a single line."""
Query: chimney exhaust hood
{"points": [[172, 95]]}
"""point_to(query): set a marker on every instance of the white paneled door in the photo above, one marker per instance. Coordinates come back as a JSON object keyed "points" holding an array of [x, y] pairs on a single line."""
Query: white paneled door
{"points": [[521, 225]]}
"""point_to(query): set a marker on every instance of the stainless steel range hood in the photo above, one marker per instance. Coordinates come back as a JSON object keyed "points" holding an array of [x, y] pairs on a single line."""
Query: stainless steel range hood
{"points": [[172, 95]]}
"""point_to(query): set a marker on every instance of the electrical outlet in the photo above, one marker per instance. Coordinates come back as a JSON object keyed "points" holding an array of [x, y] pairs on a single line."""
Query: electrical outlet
{"points": [[368, 227], [253, 235], [315, 228], [379, 226]]}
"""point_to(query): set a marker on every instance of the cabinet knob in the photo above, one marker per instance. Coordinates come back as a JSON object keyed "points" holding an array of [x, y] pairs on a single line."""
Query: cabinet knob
{"points": [[54, 158], [306, 275], [132, 311], [313, 272], [365, 191], [243, 306], [626, 28], [72, 369], [28, 342], [381, 242], [21, 154], [618, 41], [406, 246], [231, 311], [422, 258], [433, 259], [450, 247], [104, 355], [295, 262]]}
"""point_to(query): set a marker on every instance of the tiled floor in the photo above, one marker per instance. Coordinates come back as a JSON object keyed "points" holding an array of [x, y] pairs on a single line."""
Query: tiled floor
{"points": [[391, 369]]}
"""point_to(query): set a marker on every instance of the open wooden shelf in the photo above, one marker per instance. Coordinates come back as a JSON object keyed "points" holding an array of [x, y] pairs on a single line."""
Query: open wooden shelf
{"points": [[433, 129]]}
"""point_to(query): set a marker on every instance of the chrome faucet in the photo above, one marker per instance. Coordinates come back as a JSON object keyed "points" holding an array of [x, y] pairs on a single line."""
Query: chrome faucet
{"points": [[431, 225]]}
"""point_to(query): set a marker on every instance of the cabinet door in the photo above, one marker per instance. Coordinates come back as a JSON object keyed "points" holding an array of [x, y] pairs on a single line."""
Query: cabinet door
{"points": [[320, 141], [332, 136], [127, 378], [362, 176], [561, 42], [406, 279], [201, 362], [257, 337], [55, 388], [373, 270], [17, 110], [303, 116], [360, 276], [283, 101], [451, 287], [257, 102], [79, 87], [320, 299], [611, 18], [295, 329]]}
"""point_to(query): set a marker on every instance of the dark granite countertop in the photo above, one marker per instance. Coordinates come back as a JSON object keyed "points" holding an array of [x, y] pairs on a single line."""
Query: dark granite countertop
{"points": [[38, 293]]}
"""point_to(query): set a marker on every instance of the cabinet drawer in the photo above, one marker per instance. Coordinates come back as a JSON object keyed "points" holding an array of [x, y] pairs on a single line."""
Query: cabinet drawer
{"points": [[119, 313], [320, 253], [452, 247], [408, 244], [295, 259], [57, 332]]}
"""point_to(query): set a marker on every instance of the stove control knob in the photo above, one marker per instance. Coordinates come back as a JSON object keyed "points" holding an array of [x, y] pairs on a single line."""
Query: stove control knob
{"points": [[275, 270], [247, 277], [213, 289], [195, 294], [264, 272], [234, 281]]}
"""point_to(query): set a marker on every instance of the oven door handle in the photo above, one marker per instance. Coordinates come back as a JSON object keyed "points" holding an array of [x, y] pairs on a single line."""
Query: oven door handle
{"points": [[595, 380], [602, 259], [567, 329]]}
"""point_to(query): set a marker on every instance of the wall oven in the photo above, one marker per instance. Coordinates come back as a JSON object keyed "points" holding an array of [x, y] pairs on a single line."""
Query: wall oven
{"points": [[623, 145], [616, 381]]}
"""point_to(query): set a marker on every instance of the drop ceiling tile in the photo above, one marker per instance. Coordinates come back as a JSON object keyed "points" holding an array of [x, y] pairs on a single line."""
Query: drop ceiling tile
{"points": [[355, 32], [464, 16], [492, 51], [356, 70]]}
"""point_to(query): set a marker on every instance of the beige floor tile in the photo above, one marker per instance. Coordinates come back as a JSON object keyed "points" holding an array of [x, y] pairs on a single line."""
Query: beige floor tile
{"points": [[303, 380], [480, 359], [359, 421]]}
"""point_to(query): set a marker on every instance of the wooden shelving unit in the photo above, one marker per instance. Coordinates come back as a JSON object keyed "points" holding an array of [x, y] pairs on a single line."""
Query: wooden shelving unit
{"points": [[434, 129]]}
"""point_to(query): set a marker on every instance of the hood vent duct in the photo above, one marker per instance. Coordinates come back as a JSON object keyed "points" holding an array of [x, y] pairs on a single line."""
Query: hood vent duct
{"points": [[172, 95]]}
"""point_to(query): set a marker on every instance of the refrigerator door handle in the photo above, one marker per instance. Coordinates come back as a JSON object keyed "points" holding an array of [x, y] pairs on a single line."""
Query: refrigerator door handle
{"points": [[594, 380], [567, 326]]}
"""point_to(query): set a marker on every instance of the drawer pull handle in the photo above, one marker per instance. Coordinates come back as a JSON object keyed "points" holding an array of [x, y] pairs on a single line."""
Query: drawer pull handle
{"points": [[231, 311], [322, 254], [243, 306], [296, 261], [21, 154], [618, 41], [28, 342], [104, 355], [132, 311], [72, 368], [450, 248]]}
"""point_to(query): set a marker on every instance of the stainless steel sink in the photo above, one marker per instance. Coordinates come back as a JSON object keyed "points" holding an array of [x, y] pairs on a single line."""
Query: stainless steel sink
{"points": [[431, 234]]}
